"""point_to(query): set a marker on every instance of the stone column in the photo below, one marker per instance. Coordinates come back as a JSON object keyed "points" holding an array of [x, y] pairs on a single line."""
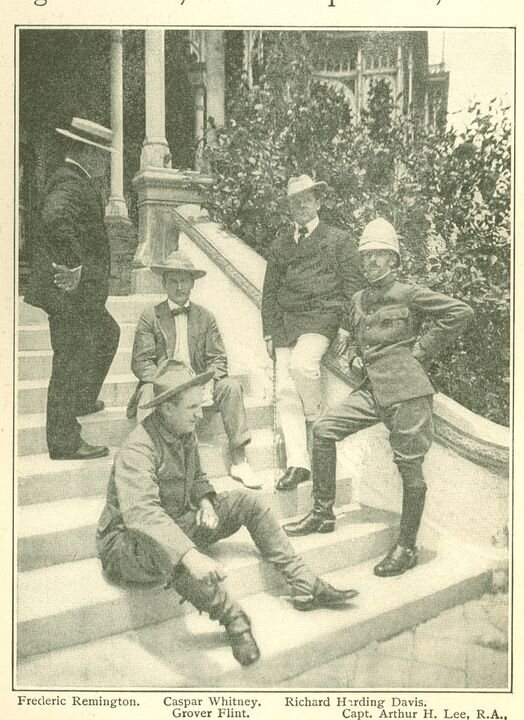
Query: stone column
{"points": [[410, 81], [197, 78], [116, 207], [155, 150], [215, 76], [359, 85], [399, 100]]}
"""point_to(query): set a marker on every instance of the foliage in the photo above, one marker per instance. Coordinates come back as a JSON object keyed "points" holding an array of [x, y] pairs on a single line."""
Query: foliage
{"points": [[447, 193]]}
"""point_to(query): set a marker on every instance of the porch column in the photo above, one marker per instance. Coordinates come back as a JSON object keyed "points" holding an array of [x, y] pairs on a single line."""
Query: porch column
{"points": [[197, 78], [215, 76], [116, 207], [155, 150]]}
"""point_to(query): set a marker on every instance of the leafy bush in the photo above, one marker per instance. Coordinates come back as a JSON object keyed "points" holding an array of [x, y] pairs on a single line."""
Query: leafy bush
{"points": [[447, 193]]}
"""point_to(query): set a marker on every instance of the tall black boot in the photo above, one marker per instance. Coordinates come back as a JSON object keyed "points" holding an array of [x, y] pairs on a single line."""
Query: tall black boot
{"points": [[413, 501], [320, 519], [404, 555], [324, 467], [211, 597]]}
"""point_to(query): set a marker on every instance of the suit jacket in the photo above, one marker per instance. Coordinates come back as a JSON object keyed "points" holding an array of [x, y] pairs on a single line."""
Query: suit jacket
{"points": [[70, 231], [155, 341], [308, 286], [385, 324], [156, 478]]}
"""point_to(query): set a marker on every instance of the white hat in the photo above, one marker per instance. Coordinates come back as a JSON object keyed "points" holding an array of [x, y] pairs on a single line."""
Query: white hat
{"points": [[89, 132], [300, 184], [379, 234]]}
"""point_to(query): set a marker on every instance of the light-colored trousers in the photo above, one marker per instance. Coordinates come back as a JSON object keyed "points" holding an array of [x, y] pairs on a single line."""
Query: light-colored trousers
{"points": [[299, 393]]}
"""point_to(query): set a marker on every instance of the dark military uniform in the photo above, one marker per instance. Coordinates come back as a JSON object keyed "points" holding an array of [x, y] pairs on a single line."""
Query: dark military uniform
{"points": [[385, 322]]}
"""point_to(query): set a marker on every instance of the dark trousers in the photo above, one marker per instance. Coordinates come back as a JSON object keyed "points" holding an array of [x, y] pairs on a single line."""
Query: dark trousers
{"points": [[410, 425], [128, 556], [84, 343]]}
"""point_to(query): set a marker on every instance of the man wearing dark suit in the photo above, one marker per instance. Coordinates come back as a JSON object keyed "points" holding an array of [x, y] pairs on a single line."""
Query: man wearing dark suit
{"points": [[311, 275], [389, 347], [178, 328], [69, 280]]}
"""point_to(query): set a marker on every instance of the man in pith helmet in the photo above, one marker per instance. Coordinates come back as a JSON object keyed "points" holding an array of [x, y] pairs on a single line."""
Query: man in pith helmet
{"points": [[389, 351], [312, 272], [162, 513], [179, 328]]}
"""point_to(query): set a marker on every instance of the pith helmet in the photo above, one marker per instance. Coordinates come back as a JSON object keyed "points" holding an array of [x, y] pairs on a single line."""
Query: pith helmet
{"points": [[177, 260], [172, 378], [379, 234]]}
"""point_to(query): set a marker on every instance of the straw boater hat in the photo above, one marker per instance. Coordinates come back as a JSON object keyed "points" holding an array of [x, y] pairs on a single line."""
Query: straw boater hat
{"points": [[379, 234], [90, 133], [172, 378], [300, 184], [177, 260]]}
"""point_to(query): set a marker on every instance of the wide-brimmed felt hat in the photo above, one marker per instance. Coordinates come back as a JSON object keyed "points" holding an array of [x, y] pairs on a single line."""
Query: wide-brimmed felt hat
{"points": [[300, 184], [172, 378], [379, 234], [177, 260], [90, 133]]}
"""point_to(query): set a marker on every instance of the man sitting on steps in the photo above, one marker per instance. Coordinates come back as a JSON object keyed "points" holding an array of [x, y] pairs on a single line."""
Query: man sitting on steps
{"points": [[162, 512], [178, 328]]}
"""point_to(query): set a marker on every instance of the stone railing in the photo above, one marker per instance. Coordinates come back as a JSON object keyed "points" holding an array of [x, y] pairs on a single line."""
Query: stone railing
{"points": [[473, 437]]}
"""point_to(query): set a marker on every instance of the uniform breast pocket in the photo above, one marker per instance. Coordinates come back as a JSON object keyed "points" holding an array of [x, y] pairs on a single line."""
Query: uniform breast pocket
{"points": [[393, 316], [393, 322]]}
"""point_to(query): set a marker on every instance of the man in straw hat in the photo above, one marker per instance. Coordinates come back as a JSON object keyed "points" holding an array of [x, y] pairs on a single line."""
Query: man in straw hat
{"points": [[178, 328], [69, 280], [312, 273], [162, 512], [389, 351]]}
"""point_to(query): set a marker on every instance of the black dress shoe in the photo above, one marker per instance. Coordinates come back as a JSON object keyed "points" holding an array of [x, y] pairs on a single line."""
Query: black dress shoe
{"points": [[96, 407], [84, 452], [293, 477], [244, 647], [397, 561], [324, 595], [312, 522]]}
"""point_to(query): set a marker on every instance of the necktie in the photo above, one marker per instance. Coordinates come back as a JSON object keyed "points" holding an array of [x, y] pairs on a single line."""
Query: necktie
{"points": [[179, 311]]}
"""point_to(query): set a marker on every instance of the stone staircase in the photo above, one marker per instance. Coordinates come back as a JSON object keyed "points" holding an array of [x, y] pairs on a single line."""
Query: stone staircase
{"points": [[75, 629]]}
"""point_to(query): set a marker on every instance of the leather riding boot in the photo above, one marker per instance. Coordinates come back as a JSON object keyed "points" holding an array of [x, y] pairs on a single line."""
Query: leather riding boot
{"points": [[413, 500], [212, 598], [321, 519], [324, 468]]}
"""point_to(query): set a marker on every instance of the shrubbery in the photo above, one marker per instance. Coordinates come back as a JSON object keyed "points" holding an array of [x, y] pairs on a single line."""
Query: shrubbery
{"points": [[447, 193]]}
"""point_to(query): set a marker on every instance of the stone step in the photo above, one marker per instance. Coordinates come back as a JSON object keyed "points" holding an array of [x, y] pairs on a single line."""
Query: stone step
{"points": [[124, 308], [63, 531], [192, 651], [36, 337], [71, 603], [36, 364], [41, 479], [111, 426], [116, 391]]}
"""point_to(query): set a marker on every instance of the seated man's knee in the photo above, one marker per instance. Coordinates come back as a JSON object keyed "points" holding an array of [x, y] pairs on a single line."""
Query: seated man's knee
{"points": [[302, 365]]}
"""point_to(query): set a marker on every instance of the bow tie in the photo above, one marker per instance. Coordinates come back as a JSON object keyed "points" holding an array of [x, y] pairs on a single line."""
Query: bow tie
{"points": [[179, 311], [302, 232]]}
